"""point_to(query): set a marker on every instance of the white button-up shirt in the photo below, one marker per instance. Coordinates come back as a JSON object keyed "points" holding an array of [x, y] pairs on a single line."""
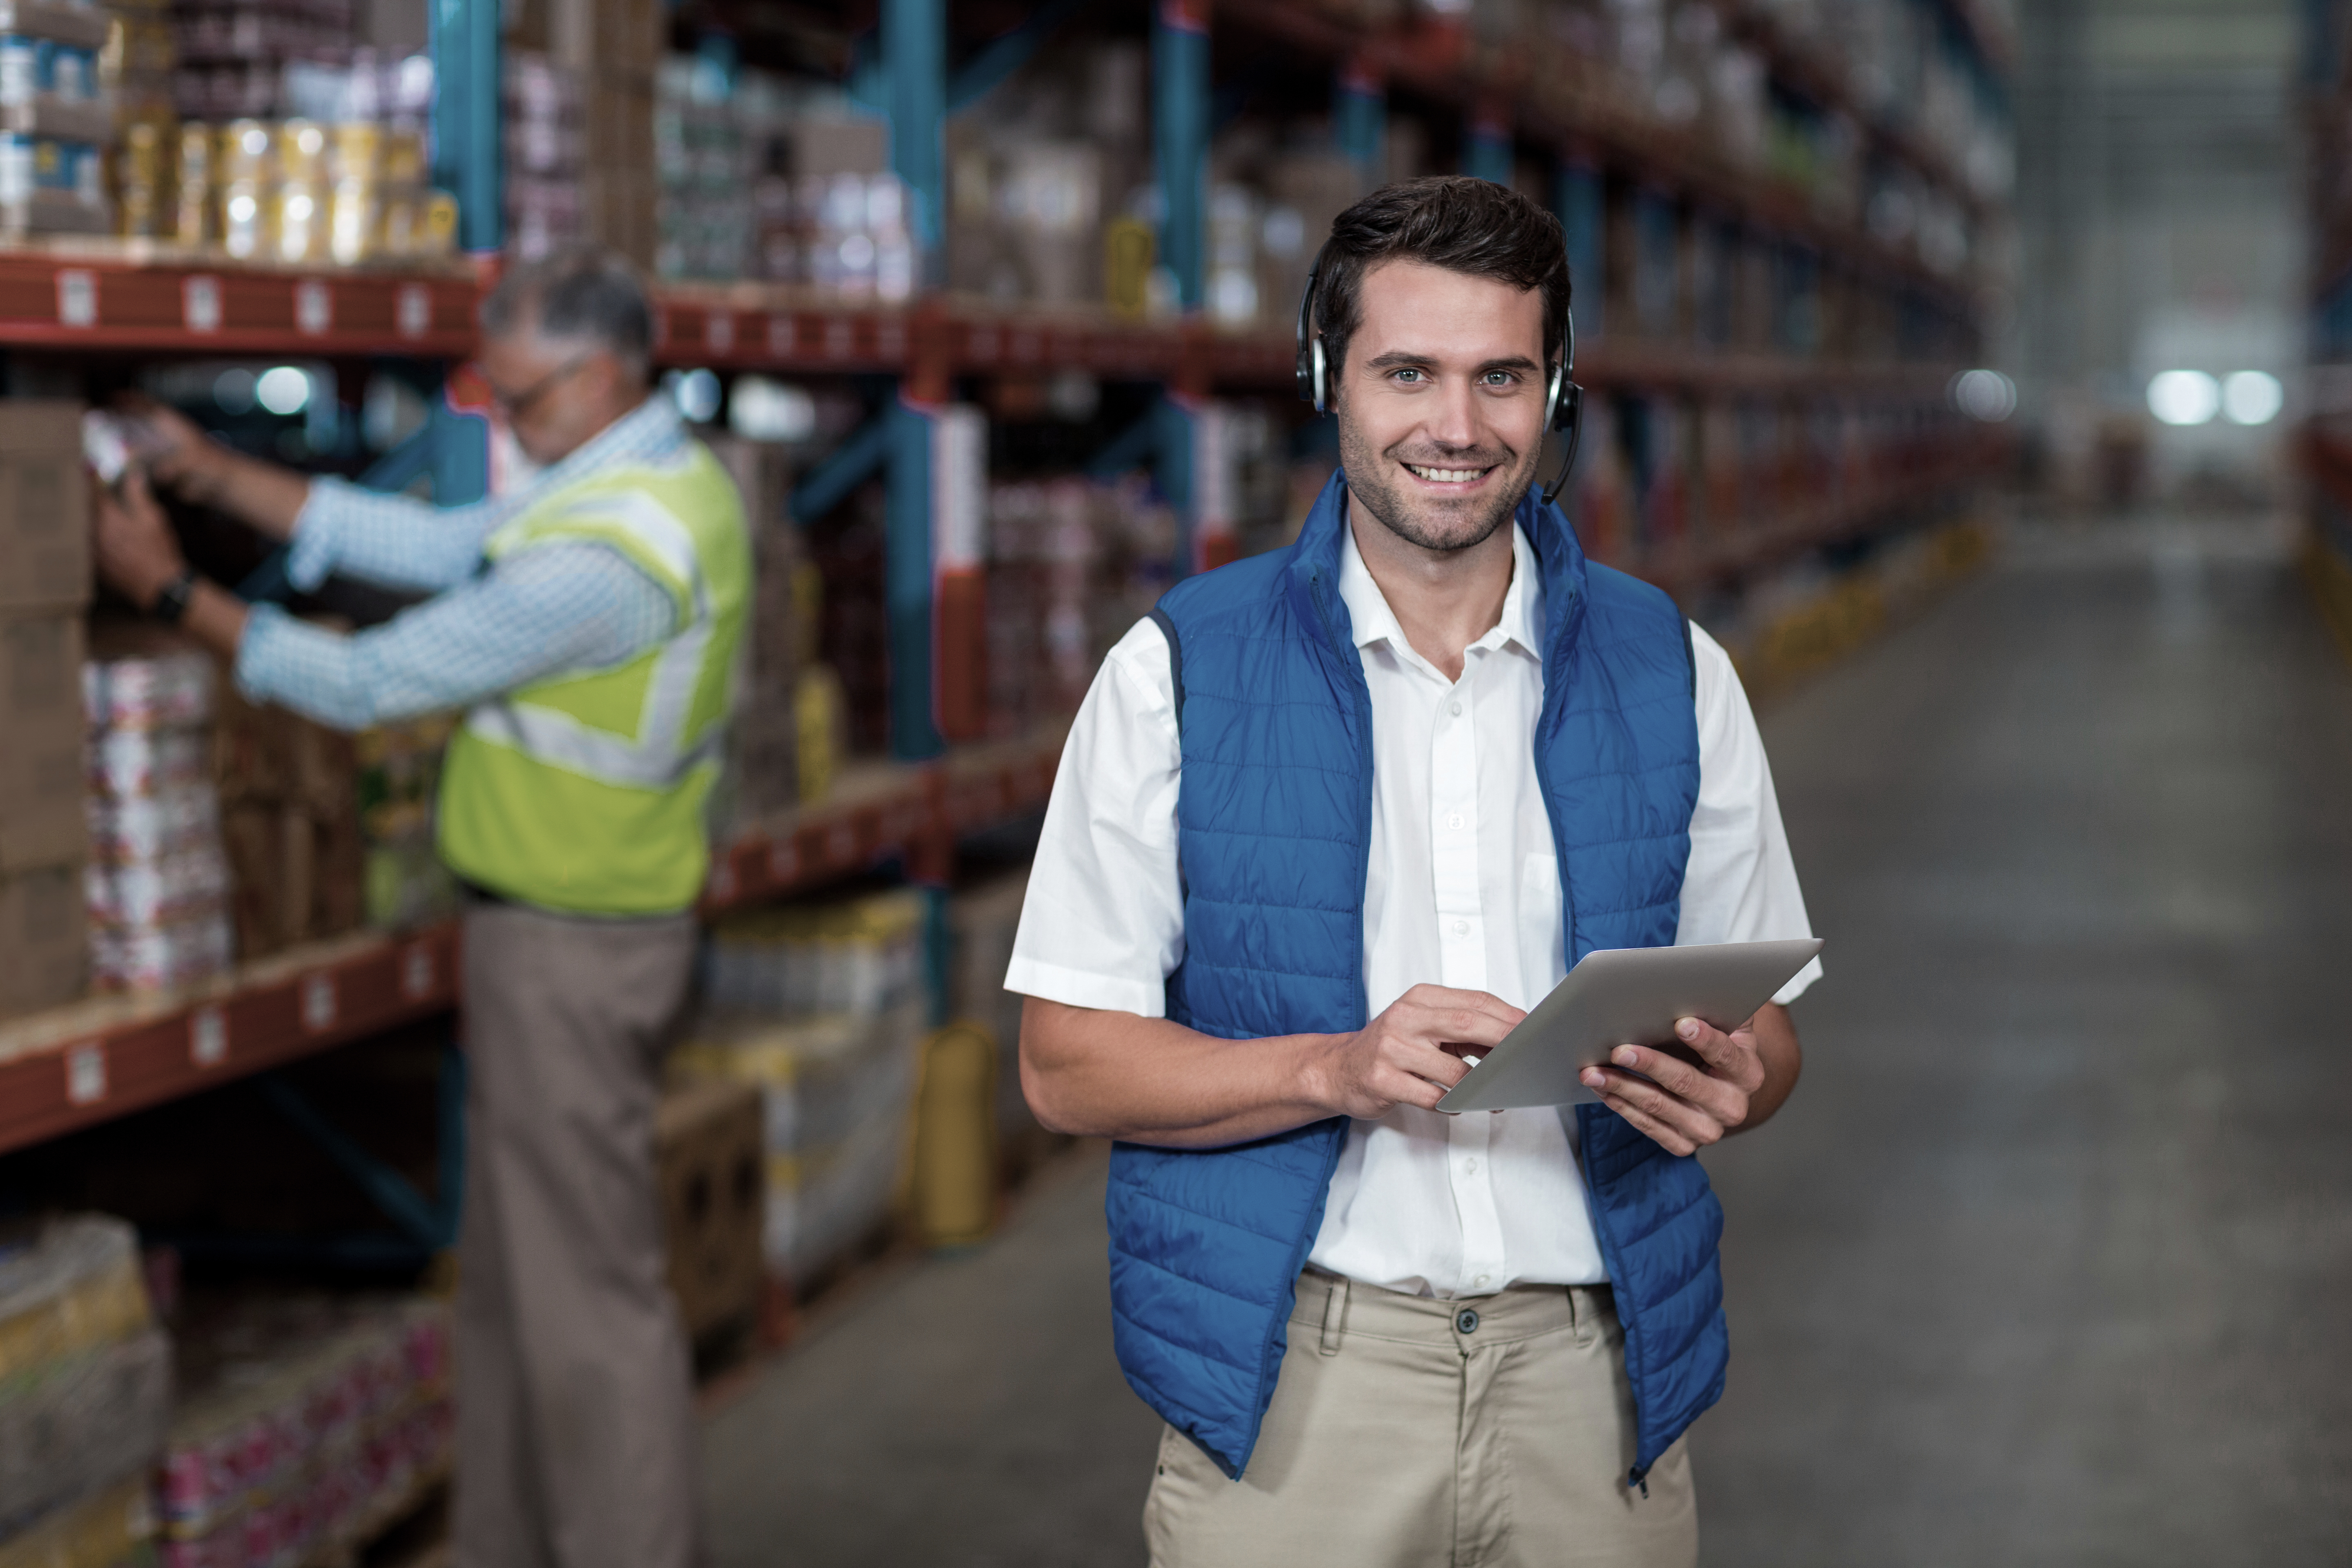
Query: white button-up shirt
{"points": [[1463, 891]]}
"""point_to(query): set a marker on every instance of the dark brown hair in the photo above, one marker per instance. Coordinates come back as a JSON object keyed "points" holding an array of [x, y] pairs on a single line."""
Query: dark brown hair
{"points": [[1454, 221]]}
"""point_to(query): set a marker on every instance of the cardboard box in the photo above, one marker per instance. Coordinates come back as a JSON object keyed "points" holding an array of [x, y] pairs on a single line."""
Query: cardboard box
{"points": [[709, 1149], [44, 938], [44, 506], [41, 818]]}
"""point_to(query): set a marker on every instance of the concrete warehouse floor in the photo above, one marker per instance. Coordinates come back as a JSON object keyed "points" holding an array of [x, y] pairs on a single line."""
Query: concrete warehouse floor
{"points": [[2047, 1260]]}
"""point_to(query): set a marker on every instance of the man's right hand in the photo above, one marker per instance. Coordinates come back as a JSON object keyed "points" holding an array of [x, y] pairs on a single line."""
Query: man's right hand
{"points": [[1410, 1054], [177, 455]]}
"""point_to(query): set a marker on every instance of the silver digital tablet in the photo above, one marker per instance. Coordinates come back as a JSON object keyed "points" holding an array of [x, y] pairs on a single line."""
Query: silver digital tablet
{"points": [[1623, 996]]}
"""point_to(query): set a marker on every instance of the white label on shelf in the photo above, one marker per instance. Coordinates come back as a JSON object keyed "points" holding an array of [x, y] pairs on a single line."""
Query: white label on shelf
{"points": [[779, 336], [200, 304], [784, 862], [840, 337], [77, 298], [318, 1001], [412, 310], [416, 972], [86, 1073], [208, 1036], [959, 489], [719, 332], [314, 307]]}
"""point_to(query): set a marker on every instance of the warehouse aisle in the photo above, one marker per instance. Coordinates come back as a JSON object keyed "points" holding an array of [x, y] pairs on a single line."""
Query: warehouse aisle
{"points": [[2044, 1264], [2047, 1260]]}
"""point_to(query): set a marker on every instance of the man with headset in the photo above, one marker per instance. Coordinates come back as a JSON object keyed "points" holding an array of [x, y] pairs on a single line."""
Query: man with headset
{"points": [[1332, 816]]}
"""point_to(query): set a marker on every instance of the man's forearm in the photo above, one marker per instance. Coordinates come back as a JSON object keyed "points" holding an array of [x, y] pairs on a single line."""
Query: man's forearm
{"points": [[261, 495], [1106, 1074], [1783, 1059]]}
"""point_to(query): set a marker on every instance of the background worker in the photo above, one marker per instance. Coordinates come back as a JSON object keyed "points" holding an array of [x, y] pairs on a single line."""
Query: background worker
{"points": [[587, 626], [1331, 815]]}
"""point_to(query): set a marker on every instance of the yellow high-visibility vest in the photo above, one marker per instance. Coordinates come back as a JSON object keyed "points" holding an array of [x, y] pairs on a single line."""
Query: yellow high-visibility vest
{"points": [[585, 792]]}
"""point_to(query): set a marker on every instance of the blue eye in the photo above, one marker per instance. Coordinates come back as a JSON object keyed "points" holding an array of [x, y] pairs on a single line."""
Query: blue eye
{"points": [[1408, 375]]}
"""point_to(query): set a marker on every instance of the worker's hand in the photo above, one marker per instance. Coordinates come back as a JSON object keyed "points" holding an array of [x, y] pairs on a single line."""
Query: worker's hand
{"points": [[137, 554], [1410, 1054], [181, 457], [1684, 1104]]}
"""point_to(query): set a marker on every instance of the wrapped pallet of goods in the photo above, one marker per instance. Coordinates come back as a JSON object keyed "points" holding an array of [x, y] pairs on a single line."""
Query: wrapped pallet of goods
{"points": [[44, 586], [85, 1394], [821, 1005], [304, 1424], [982, 921]]}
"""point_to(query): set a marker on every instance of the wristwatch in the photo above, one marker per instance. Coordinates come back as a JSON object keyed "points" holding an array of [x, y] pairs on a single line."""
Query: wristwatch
{"points": [[172, 599]]}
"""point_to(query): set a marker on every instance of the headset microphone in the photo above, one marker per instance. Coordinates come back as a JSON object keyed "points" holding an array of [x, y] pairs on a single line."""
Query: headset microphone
{"points": [[1563, 399]]}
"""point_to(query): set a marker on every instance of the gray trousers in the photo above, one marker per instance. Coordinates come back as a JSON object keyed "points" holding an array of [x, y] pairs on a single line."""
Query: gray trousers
{"points": [[576, 1424]]}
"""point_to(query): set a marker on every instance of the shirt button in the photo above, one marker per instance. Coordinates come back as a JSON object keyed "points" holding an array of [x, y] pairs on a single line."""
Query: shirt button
{"points": [[1454, 821], [1470, 1168], [1482, 1279], [1454, 709], [1461, 928]]}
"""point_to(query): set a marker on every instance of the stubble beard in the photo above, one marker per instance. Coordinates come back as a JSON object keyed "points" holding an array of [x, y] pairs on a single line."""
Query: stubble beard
{"points": [[1445, 533]]}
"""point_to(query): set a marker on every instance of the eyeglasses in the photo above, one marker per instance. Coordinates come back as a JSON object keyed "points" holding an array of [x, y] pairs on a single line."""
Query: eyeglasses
{"points": [[515, 405]]}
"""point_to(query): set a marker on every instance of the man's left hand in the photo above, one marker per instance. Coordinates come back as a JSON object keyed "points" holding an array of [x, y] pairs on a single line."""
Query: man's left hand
{"points": [[137, 554], [1683, 1106]]}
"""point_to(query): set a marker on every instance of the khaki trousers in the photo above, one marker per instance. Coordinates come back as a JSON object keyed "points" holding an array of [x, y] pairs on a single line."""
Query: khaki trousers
{"points": [[575, 1427], [1489, 1433]]}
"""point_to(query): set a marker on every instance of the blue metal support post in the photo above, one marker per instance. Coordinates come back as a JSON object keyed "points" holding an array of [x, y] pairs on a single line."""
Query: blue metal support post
{"points": [[1359, 122], [914, 64], [467, 157], [1487, 149], [1180, 110]]}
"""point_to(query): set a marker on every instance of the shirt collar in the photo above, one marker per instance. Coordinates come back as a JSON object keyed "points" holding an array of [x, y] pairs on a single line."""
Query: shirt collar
{"points": [[650, 430], [1521, 625]]}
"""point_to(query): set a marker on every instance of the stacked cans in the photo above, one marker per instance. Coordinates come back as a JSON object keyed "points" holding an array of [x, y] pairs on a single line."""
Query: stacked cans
{"points": [[55, 120], [546, 155], [301, 1417], [298, 191], [157, 883]]}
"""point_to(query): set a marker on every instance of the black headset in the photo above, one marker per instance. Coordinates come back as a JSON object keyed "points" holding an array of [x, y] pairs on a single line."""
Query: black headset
{"points": [[1563, 399]]}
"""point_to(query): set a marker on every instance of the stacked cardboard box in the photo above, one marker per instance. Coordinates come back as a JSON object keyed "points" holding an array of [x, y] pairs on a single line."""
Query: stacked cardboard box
{"points": [[158, 881], [290, 815], [406, 884], [45, 576], [710, 1158], [85, 1390]]}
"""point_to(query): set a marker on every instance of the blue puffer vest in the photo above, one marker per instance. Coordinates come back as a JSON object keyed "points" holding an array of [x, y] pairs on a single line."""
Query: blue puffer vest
{"points": [[1273, 818]]}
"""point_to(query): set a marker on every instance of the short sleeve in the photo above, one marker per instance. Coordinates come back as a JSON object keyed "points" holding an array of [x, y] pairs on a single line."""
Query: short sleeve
{"points": [[1103, 924], [1741, 882]]}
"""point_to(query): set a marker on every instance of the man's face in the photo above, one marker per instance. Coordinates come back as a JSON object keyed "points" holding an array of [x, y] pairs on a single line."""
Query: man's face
{"points": [[1441, 402], [555, 395]]}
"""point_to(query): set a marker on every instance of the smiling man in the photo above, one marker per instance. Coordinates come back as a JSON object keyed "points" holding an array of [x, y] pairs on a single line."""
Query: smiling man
{"points": [[586, 625], [1333, 816]]}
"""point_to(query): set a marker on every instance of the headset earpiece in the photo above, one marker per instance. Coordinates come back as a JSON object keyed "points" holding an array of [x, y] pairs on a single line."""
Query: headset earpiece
{"points": [[1311, 372]]}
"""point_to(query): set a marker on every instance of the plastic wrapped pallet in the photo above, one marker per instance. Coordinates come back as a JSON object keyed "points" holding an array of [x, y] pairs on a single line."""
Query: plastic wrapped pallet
{"points": [[85, 1378], [836, 1094], [304, 1420]]}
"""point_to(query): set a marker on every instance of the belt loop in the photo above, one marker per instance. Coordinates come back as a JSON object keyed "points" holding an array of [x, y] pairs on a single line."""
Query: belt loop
{"points": [[1335, 1316]]}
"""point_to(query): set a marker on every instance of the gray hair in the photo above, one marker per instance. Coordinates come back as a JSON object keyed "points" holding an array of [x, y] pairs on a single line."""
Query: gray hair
{"points": [[583, 294]]}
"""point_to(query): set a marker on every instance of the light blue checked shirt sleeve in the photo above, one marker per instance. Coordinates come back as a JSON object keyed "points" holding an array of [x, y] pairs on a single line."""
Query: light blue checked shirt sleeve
{"points": [[399, 541], [540, 613]]}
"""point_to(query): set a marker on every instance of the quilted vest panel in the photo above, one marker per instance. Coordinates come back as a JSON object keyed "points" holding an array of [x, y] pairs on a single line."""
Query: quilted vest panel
{"points": [[1274, 820]]}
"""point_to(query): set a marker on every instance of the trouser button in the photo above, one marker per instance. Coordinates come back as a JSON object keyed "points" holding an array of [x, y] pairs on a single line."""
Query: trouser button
{"points": [[1467, 1321]]}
